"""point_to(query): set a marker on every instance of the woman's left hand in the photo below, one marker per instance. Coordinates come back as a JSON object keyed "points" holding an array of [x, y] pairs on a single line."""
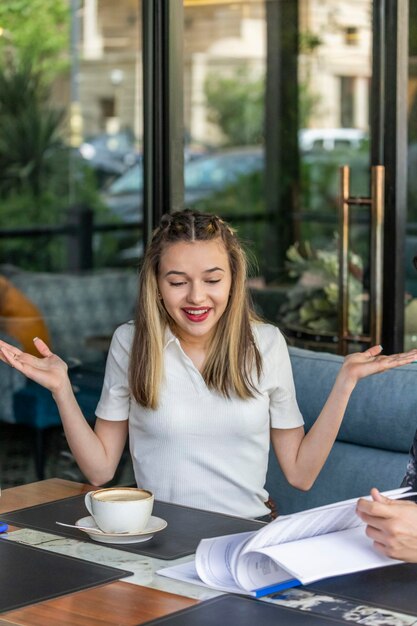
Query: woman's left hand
{"points": [[361, 364]]}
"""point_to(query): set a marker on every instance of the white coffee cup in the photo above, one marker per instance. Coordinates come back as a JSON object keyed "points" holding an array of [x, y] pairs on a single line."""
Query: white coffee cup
{"points": [[120, 509]]}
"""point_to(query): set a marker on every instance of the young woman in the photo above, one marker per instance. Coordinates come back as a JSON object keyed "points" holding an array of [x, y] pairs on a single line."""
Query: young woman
{"points": [[199, 382]]}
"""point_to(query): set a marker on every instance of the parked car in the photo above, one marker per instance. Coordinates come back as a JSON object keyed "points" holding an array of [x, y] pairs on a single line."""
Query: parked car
{"points": [[109, 154], [330, 138], [203, 177], [112, 154], [220, 176]]}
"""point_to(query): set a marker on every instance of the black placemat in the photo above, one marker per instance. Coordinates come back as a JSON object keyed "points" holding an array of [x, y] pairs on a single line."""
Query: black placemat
{"points": [[29, 575], [186, 526], [393, 587], [231, 609]]}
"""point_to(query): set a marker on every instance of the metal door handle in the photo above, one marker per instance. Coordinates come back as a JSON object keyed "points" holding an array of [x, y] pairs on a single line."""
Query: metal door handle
{"points": [[376, 207]]}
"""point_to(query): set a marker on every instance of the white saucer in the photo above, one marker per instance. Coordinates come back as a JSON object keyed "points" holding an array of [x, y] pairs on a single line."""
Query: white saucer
{"points": [[155, 524]]}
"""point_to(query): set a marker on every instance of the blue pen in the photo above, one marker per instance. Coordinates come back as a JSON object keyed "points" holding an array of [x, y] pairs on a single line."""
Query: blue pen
{"points": [[3, 527], [287, 584]]}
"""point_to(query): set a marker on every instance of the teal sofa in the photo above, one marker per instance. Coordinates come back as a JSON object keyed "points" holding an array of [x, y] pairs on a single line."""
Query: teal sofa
{"points": [[373, 444]]}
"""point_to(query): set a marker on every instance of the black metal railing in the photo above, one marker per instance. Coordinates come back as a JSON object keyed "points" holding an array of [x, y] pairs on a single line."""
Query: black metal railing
{"points": [[81, 227]]}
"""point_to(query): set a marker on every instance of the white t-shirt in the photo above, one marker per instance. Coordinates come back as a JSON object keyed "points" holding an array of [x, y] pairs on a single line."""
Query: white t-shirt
{"points": [[199, 448]]}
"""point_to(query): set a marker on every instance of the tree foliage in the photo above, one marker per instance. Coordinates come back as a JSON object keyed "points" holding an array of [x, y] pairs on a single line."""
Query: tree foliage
{"points": [[235, 104], [29, 132], [39, 172], [35, 168], [36, 31], [33, 49]]}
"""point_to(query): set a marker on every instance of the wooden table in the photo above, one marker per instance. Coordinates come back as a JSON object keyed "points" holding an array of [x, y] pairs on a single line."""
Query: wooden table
{"points": [[118, 603]]}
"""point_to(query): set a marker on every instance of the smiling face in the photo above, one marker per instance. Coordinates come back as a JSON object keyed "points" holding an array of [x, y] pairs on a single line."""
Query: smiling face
{"points": [[194, 281]]}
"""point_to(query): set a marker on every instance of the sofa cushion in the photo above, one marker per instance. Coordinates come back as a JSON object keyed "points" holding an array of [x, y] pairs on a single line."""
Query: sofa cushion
{"points": [[382, 411], [349, 472], [78, 306]]}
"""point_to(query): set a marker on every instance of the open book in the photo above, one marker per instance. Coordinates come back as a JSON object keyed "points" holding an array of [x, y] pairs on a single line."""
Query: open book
{"points": [[292, 550]]}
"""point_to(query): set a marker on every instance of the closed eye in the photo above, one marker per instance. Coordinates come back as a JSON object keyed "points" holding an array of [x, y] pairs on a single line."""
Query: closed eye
{"points": [[178, 284], [212, 282]]}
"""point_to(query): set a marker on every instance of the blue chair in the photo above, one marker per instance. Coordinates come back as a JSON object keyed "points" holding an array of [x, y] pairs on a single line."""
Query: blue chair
{"points": [[34, 407]]}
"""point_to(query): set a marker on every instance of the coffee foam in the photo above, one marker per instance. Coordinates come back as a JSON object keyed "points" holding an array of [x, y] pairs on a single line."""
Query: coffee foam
{"points": [[121, 495]]}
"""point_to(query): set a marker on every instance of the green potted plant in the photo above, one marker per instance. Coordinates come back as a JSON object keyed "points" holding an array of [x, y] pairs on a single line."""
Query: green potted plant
{"points": [[312, 302]]}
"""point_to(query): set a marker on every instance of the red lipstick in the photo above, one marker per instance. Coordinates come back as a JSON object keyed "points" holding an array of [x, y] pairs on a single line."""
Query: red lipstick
{"points": [[196, 314]]}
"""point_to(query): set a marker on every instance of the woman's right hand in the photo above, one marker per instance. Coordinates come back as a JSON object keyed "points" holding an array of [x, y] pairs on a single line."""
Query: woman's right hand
{"points": [[48, 370]]}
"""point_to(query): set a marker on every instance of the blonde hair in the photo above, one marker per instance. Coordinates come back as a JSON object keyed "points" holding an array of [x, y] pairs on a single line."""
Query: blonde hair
{"points": [[232, 355]]}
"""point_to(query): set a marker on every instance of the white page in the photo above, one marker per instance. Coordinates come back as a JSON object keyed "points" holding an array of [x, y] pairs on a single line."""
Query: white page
{"points": [[318, 521], [257, 570], [187, 572], [309, 524], [227, 562], [328, 555], [214, 557]]}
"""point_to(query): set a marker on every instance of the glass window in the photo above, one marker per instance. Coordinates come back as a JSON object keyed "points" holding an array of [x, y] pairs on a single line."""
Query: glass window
{"points": [[410, 325], [241, 59], [70, 125], [71, 107]]}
